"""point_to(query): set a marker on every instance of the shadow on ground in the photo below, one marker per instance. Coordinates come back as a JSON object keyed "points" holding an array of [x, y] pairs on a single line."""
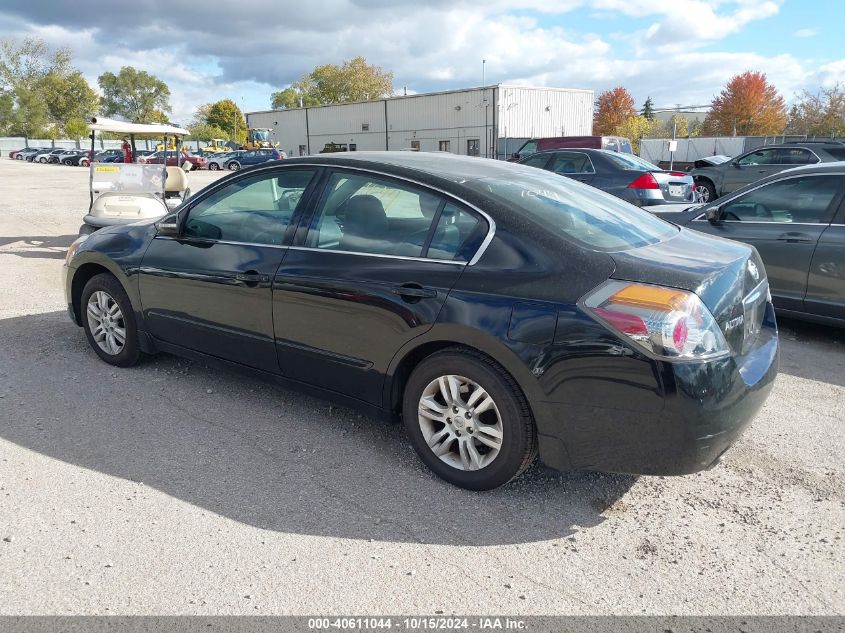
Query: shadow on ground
{"points": [[827, 344], [261, 455], [39, 247]]}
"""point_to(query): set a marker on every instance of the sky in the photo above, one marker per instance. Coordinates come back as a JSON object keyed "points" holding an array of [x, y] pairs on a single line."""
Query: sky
{"points": [[675, 51]]}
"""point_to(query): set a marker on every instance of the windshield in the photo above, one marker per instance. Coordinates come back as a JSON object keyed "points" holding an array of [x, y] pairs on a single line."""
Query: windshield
{"points": [[591, 217], [630, 162], [126, 178], [261, 135]]}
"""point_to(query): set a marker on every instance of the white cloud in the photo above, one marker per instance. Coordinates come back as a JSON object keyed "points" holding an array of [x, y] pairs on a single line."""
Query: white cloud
{"points": [[805, 33]]}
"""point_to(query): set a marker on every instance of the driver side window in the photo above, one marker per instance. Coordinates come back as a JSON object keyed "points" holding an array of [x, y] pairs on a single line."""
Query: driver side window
{"points": [[760, 157], [257, 209], [804, 200]]}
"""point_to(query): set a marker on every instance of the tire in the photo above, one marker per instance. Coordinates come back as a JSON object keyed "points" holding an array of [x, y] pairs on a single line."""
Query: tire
{"points": [[103, 292], [705, 191], [213, 167], [42, 160], [233, 166], [18, 157], [509, 416], [85, 162]]}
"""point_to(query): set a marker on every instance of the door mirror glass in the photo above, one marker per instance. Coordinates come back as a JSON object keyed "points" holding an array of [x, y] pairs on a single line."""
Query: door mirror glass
{"points": [[714, 215]]}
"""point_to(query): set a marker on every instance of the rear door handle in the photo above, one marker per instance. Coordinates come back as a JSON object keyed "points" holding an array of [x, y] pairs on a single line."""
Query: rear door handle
{"points": [[414, 290], [792, 237]]}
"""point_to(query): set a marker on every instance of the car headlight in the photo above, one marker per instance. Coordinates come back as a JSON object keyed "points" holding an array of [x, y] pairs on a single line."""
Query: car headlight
{"points": [[71, 251]]}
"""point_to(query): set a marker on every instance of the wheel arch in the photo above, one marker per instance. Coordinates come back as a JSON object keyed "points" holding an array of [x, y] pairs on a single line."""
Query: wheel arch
{"points": [[83, 274], [409, 357]]}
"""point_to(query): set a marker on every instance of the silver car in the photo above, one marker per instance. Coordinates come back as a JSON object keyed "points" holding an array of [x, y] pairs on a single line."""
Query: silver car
{"points": [[221, 160]]}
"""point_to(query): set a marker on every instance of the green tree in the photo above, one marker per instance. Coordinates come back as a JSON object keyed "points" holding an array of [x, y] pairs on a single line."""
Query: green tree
{"points": [[23, 68], [635, 128], [648, 109], [135, 95], [69, 98], [206, 132], [224, 115], [819, 114], [76, 128], [354, 80]]}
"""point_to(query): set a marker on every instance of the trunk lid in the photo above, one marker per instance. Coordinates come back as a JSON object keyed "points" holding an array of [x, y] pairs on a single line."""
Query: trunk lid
{"points": [[728, 276], [676, 187]]}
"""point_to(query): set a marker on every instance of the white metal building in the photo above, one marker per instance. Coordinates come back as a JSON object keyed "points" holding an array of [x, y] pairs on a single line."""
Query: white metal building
{"points": [[491, 121]]}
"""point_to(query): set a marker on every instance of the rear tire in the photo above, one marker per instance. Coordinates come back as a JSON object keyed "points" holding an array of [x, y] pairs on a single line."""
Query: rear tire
{"points": [[233, 166], [109, 321], [85, 162], [477, 431], [213, 167]]}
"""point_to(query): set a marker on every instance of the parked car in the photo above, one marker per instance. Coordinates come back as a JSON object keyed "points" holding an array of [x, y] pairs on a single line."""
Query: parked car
{"points": [[221, 160], [796, 221], [497, 309], [14, 153], [253, 157], [624, 175], [48, 156], [534, 145], [714, 181], [108, 155], [25, 154], [59, 156], [80, 159], [157, 158], [35, 157]]}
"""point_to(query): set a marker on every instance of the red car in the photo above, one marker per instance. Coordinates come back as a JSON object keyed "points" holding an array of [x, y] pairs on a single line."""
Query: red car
{"points": [[157, 158], [14, 152]]}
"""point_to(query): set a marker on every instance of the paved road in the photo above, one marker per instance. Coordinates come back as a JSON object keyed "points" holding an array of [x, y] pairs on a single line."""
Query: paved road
{"points": [[174, 488]]}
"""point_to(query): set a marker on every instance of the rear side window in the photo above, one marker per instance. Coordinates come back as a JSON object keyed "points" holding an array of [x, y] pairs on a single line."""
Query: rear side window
{"points": [[796, 156], [575, 211], [452, 232], [803, 200], [572, 163], [538, 160], [837, 152]]}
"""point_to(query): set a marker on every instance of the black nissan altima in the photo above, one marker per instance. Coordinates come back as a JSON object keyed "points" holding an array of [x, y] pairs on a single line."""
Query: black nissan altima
{"points": [[497, 310]]}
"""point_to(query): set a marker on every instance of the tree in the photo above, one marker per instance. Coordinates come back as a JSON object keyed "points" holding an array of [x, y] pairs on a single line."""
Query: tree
{"points": [[23, 67], [636, 127], [69, 98], [819, 114], [748, 106], [224, 115], [613, 108], [206, 132], [135, 95], [648, 109], [354, 80]]}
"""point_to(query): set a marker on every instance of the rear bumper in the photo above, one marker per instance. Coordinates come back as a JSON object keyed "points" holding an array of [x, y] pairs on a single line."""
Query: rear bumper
{"points": [[706, 407], [649, 197]]}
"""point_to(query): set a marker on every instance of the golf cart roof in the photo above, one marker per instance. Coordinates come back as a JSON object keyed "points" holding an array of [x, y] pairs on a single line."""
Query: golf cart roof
{"points": [[102, 124]]}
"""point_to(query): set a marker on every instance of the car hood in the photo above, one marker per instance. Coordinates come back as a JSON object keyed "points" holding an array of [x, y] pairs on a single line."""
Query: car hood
{"points": [[721, 272]]}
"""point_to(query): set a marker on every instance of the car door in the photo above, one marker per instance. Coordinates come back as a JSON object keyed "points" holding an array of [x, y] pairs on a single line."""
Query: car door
{"points": [[826, 281], [371, 273], [210, 289], [248, 158], [783, 220], [749, 168], [575, 165]]}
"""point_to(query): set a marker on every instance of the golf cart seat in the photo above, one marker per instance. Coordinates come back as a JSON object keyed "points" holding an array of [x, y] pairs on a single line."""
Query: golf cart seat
{"points": [[176, 186]]}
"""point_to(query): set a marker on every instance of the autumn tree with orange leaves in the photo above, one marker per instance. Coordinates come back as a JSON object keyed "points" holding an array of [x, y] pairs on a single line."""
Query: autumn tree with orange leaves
{"points": [[613, 108], [748, 106]]}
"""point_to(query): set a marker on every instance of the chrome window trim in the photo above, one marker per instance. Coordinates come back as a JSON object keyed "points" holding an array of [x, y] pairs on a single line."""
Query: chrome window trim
{"points": [[429, 260], [201, 240], [491, 223]]}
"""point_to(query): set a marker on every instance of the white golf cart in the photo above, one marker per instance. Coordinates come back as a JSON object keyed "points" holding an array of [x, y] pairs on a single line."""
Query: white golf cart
{"points": [[122, 193]]}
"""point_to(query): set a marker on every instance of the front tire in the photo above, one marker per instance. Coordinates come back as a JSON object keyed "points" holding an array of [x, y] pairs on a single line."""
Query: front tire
{"points": [[109, 321], [213, 167], [468, 420], [233, 166]]}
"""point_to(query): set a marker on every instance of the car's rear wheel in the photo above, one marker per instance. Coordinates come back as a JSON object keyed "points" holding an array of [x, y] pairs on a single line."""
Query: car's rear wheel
{"points": [[705, 191], [468, 420], [109, 321], [213, 167], [233, 166], [85, 162]]}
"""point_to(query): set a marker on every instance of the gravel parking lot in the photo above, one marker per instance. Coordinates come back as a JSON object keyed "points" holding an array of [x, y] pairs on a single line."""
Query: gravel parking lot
{"points": [[172, 488]]}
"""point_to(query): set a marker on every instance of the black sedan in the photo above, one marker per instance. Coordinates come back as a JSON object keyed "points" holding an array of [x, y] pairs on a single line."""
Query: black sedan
{"points": [[796, 221], [626, 176], [498, 310]]}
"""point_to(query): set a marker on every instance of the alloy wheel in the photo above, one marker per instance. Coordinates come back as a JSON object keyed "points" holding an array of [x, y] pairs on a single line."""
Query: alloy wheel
{"points": [[460, 422], [702, 193], [106, 322]]}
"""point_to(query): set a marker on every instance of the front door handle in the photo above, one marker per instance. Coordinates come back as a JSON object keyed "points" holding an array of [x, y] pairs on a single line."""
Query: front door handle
{"points": [[793, 237], [252, 278], [414, 292]]}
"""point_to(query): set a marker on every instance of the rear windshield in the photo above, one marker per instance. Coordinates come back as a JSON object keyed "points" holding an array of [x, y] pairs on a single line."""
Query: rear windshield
{"points": [[578, 212], [631, 162]]}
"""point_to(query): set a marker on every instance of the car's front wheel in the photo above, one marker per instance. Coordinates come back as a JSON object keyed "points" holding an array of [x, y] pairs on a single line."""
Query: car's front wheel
{"points": [[468, 420], [233, 166], [109, 321], [705, 191], [213, 166]]}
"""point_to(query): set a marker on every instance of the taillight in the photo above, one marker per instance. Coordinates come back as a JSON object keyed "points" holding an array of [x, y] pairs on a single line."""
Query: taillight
{"points": [[665, 322], [646, 181], [678, 174]]}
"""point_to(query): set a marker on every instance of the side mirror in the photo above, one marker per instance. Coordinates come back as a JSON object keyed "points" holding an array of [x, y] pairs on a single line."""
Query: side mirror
{"points": [[515, 155], [714, 215], [168, 226], [735, 163]]}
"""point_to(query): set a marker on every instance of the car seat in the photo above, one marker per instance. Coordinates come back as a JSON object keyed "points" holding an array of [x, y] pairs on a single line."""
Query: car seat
{"points": [[365, 227]]}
